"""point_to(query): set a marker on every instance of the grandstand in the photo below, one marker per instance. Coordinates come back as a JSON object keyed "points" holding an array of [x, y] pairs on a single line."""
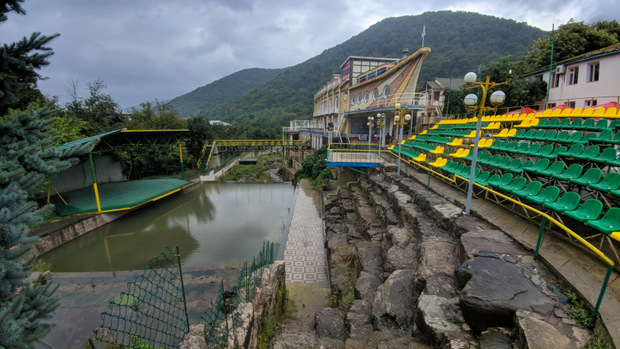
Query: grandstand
{"points": [[563, 162]]}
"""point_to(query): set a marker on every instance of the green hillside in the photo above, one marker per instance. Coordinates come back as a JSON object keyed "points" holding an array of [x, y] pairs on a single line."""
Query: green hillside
{"points": [[460, 42], [222, 90]]}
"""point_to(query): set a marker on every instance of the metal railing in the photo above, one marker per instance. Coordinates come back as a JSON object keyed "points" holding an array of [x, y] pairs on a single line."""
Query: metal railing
{"points": [[353, 153], [589, 246]]}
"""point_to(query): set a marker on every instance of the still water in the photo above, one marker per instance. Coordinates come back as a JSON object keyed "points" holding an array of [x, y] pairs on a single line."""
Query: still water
{"points": [[212, 223]]}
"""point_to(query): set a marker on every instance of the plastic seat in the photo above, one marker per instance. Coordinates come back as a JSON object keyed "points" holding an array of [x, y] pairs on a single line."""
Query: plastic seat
{"points": [[553, 123], [615, 139], [576, 124], [609, 223], [549, 152], [604, 136], [573, 171], [503, 180], [484, 158], [515, 166], [608, 154], [482, 177], [540, 165], [533, 149], [561, 137], [531, 189], [587, 137], [564, 123], [519, 134], [493, 160], [538, 135], [589, 153], [587, 124], [592, 175], [529, 134], [516, 184], [589, 210], [526, 164], [600, 125], [575, 149], [547, 195], [610, 182], [576, 137], [567, 202], [549, 136], [543, 123], [504, 161], [512, 146], [555, 168], [494, 178], [522, 148]]}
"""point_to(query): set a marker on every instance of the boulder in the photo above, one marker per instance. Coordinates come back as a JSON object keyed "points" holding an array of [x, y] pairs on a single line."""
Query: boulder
{"points": [[496, 338], [395, 300], [399, 237], [366, 285], [369, 254], [534, 333], [475, 241], [438, 316], [494, 291], [330, 323], [288, 340], [400, 258], [358, 320]]}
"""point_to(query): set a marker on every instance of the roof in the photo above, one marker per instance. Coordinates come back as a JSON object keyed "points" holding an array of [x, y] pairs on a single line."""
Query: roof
{"points": [[111, 140], [442, 83], [375, 59]]}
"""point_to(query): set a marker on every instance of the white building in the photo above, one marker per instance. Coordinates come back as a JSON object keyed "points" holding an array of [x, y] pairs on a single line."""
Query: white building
{"points": [[583, 81]]}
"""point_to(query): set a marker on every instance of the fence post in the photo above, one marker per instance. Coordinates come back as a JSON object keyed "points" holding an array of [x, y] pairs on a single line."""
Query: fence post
{"points": [[600, 296], [182, 286], [540, 236]]}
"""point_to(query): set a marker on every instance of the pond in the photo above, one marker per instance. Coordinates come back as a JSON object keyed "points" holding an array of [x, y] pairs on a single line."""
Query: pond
{"points": [[212, 223]]}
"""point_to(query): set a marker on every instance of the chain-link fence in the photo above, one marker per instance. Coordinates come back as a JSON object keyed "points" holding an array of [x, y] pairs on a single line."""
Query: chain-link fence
{"points": [[217, 324], [152, 313]]}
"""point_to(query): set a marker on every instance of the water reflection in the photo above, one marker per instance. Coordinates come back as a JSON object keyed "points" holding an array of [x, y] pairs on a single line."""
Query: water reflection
{"points": [[212, 223]]}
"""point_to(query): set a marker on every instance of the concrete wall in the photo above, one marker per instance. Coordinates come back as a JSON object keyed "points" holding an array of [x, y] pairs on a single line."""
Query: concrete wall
{"points": [[79, 176]]}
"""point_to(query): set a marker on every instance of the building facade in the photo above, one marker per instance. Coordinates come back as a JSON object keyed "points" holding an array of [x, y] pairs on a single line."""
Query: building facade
{"points": [[583, 81]]}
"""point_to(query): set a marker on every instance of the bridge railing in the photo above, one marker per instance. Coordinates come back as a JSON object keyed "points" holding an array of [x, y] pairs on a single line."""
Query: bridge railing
{"points": [[353, 153]]}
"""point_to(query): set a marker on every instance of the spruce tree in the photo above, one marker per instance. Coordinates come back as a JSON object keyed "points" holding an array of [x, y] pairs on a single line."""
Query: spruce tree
{"points": [[27, 157]]}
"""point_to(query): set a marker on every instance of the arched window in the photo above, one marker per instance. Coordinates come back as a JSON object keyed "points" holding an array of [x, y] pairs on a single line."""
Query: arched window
{"points": [[359, 98], [375, 94], [366, 95], [386, 91]]}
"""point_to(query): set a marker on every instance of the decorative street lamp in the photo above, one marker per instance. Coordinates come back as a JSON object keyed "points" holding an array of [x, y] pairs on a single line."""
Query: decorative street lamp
{"points": [[497, 98], [400, 119], [371, 124], [381, 126]]}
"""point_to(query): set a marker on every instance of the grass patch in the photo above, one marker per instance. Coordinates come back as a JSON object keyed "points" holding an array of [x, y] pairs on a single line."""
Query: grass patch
{"points": [[577, 310], [41, 266], [596, 343], [254, 173]]}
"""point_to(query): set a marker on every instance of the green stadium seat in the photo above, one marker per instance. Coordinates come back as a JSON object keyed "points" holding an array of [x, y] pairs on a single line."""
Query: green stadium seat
{"points": [[588, 136], [609, 223], [548, 137], [466, 172], [533, 149], [516, 184], [484, 158], [589, 153], [555, 168], [614, 123], [512, 146], [587, 124], [591, 176], [576, 124], [519, 134], [527, 164], [493, 160], [615, 192], [543, 123], [522, 148], [568, 202], [574, 149], [589, 210], [498, 144], [608, 154], [564, 123], [615, 139], [610, 182], [529, 134], [561, 137], [516, 165], [503, 180], [601, 125], [573, 171], [549, 194], [449, 166], [531, 189], [540, 165], [604, 136], [544, 152], [494, 178], [576, 137], [553, 123], [483, 177], [537, 136], [504, 161]]}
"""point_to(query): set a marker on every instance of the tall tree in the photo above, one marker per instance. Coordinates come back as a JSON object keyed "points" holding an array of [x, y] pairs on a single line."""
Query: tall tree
{"points": [[27, 156]]}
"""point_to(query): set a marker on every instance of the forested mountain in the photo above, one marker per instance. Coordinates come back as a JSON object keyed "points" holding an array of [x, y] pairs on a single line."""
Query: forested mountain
{"points": [[222, 90], [460, 42]]}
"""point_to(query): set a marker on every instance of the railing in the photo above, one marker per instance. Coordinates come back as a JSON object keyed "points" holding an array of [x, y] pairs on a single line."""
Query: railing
{"points": [[353, 153], [202, 154], [261, 143], [596, 251]]}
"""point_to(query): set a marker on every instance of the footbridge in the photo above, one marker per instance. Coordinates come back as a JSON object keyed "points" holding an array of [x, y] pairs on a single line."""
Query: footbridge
{"points": [[213, 148]]}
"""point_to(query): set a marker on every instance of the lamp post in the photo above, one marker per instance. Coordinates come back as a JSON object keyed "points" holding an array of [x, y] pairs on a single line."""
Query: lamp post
{"points": [[400, 119], [497, 98], [371, 124], [381, 126]]}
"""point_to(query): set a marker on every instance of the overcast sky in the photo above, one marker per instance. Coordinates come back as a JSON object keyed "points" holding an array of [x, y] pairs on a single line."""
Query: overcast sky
{"points": [[159, 49]]}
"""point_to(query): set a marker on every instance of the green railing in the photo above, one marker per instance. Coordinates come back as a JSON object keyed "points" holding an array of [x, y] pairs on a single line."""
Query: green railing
{"points": [[153, 311], [221, 319]]}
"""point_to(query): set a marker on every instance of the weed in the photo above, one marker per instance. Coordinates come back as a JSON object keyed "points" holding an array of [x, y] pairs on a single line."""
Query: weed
{"points": [[596, 343], [41, 266], [577, 311]]}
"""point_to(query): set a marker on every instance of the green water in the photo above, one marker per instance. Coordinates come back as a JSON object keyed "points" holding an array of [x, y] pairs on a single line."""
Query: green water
{"points": [[212, 223]]}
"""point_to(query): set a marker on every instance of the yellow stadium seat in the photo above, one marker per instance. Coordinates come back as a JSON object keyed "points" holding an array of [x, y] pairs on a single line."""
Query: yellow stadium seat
{"points": [[391, 147], [439, 162], [403, 141], [456, 142], [576, 113], [503, 133], [471, 135], [611, 112], [423, 132], [420, 158], [547, 113], [438, 150], [600, 112], [556, 112], [587, 112], [566, 112], [512, 132], [457, 153], [412, 138]]}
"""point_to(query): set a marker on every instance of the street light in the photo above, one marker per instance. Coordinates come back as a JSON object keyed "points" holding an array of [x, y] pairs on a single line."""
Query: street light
{"points": [[381, 126], [400, 119], [371, 124], [497, 98]]}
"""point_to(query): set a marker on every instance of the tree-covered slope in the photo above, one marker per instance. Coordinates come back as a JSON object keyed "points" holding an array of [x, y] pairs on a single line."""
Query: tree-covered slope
{"points": [[460, 42], [222, 90]]}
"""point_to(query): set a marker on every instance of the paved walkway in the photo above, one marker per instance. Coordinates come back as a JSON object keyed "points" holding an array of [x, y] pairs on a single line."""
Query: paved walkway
{"points": [[304, 254], [584, 272]]}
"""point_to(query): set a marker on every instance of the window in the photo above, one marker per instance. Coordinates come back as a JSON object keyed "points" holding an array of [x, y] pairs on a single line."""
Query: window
{"points": [[375, 94], [336, 105], [555, 80], [386, 91], [359, 98], [573, 76], [353, 100], [593, 72], [436, 95], [550, 105], [366, 96], [570, 104], [590, 103]]}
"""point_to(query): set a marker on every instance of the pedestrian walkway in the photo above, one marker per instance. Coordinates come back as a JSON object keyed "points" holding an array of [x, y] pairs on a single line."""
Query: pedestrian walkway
{"points": [[304, 254], [583, 271]]}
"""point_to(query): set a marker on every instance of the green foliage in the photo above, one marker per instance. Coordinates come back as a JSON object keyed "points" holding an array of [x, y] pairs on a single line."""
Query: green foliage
{"points": [[313, 166], [460, 41], [596, 343], [322, 179], [154, 116], [571, 40], [41, 266], [222, 90], [100, 112], [577, 311], [251, 173]]}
